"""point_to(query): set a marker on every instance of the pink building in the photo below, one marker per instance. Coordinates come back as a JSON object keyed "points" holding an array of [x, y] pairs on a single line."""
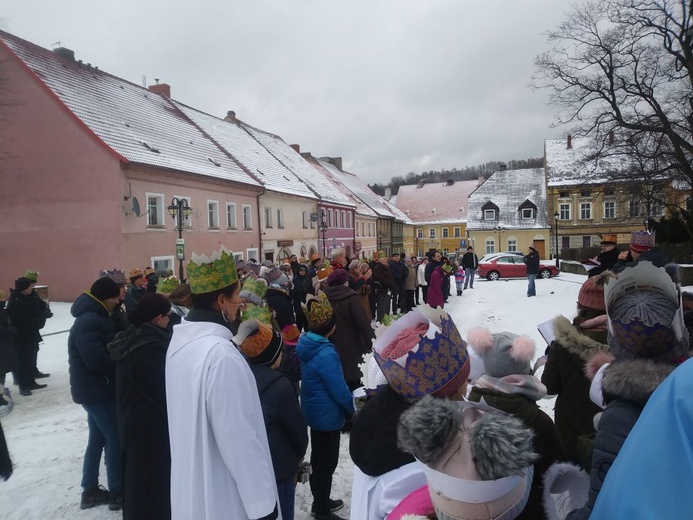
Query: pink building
{"points": [[94, 161]]}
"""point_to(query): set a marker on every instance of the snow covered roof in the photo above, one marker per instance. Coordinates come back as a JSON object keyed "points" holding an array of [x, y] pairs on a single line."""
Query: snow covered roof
{"points": [[436, 202], [399, 215], [137, 124], [241, 144], [334, 172], [311, 176], [568, 166], [363, 192], [508, 190]]}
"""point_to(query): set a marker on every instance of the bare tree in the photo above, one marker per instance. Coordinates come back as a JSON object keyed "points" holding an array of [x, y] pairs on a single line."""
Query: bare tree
{"points": [[627, 65]]}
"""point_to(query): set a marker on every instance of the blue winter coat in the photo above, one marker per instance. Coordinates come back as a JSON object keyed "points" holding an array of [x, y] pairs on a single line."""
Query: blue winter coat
{"points": [[92, 370], [652, 475], [325, 396]]}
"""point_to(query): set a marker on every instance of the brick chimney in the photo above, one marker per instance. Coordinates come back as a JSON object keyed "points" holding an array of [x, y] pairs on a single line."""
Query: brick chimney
{"points": [[230, 116], [570, 142], [161, 88], [296, 147], [66, 53], [337, 161]]}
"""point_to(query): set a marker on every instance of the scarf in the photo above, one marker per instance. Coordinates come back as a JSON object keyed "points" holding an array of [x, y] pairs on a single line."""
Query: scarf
{"points": [[517, 384]]}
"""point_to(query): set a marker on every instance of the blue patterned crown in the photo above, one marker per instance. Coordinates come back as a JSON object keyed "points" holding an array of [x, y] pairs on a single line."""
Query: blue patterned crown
{"points": [[438, 363]]}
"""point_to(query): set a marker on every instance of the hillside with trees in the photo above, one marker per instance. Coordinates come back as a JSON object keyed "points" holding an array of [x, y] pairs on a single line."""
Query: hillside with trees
{"points": [[465, 174]]}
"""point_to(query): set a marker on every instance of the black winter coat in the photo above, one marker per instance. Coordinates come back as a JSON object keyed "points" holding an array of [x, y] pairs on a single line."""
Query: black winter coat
{"points": [[383, 276], [287, 432], [280, 302], [654, 255], [92, 371], [470, 261], [531, 261], [399, 272], [28, 315], [140, 354], [626, 387], [353, 333], [8, 338], [546, 442], [373, 437], [132, 296], [564, 376]]}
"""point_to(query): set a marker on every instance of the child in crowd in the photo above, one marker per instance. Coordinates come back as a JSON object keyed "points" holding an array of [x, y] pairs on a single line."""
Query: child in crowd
{"points": [[459, 279], [326, 401], [286, 427]]}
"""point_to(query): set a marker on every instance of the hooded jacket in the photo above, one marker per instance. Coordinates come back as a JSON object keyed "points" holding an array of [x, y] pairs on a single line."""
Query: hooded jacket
{"points": [[279, 301], [353, 333], [564, 376], [325, 396], [287, 433], [373, 437], [92, 370], [28, 315], [626, 387]]}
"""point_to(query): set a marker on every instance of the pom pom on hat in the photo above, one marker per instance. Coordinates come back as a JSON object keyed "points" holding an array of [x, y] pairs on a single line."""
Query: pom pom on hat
{"points": [[503, 353], [104, 288]]}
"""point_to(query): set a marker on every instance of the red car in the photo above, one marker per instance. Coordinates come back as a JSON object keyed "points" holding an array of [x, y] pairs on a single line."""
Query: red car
{"points": [[511, 266]]}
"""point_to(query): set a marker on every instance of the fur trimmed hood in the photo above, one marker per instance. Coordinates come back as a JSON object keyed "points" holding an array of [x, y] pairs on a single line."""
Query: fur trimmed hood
{"points": [[634, 381], [570, 338]]}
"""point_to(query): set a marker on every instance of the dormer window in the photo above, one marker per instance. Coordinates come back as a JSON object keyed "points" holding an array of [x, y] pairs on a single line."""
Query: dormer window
{"points": [[489, 211], [527, 213], [489, 214], [528, 210]]}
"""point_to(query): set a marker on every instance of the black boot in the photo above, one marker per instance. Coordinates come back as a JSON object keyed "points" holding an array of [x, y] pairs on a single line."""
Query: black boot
{"points": [[94, 497]]}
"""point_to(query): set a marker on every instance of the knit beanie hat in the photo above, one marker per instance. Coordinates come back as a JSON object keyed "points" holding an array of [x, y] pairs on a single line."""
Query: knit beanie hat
{"points": [[478, 463], [645, 315], [22, 283], [259, 342], [149, 307], [504, 353], [591, 294], [337, 277], [104, 288]]}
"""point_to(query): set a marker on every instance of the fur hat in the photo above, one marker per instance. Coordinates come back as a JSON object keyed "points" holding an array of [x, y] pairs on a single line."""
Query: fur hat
{"points": [[591, 294], [641, 241], [337, 277], [645, 315], [422, 353], [114, 274], [104, 288], [259, 342], [504, 353], [469, 453]]}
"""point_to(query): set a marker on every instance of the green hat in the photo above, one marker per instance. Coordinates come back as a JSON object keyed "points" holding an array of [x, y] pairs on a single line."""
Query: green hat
{"points": [[255, 312], [381, 254], [254, 290], [31, 275], [166, 284], [209, 274]]}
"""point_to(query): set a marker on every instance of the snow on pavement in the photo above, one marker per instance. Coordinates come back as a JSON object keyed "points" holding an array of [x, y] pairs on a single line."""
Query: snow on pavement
{"points": [[47, 432]]}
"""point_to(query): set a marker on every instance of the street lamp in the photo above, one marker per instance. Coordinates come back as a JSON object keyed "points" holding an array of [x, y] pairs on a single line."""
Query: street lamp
{"points": [[555, 218], [380, 240], [180, 212], [499, 228], [323, 228]]}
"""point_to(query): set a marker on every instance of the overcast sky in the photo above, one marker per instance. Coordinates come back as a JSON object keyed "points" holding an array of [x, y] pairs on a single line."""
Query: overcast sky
{"points": [[392, 86]]}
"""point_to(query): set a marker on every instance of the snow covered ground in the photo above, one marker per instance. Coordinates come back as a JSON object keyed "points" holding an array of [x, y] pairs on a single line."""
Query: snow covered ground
{"points": [[47, 432]]}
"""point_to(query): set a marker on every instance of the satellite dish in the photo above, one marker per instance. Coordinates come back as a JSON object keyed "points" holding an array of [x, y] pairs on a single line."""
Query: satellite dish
{"points": [[136, 206], [313, 217]]}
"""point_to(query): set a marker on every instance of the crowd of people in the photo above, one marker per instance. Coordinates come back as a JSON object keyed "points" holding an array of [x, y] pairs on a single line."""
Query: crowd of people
{"points": [[202, 397]]}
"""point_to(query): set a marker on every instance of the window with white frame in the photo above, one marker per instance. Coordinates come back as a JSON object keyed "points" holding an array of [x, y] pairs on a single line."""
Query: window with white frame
{"points": [[512, 244], [490, 246], [609, 209], [268, 217], [155, 210], [585, 210], [161, 262], [247, 218], [280, 218], [445, 232], [231, 216], [489, 214], [329, 218], [564, 210], [349, 220], [457, 232], [252, 253], [419, 233], [305, 219], [527, 213], [213, 214], [431, 232]]}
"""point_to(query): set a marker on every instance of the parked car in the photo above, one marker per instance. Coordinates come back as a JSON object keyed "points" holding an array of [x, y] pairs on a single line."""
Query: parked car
{"points": [[510, 265]]}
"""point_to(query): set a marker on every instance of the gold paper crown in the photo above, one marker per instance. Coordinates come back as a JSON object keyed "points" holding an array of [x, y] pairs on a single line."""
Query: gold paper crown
{"points": [[208, 274], [134, 273], [317, 310], [256, 287], [166, 284], [256, 312], [31, 275]]}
